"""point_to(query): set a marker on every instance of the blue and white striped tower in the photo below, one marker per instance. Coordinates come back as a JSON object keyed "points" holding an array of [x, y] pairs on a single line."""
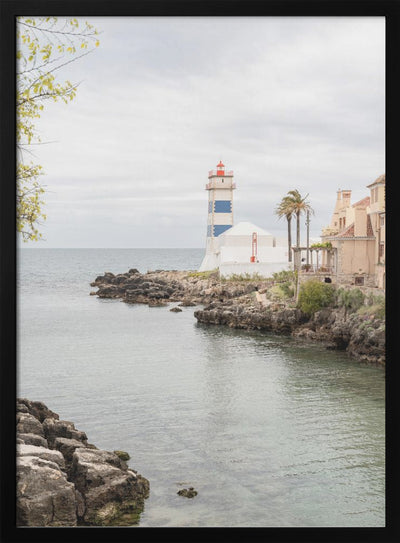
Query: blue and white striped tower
{"points": [[220, 188]]}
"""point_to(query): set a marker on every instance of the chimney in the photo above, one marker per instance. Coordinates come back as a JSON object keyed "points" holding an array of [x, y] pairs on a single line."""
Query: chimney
{"points": [[360, 221]]}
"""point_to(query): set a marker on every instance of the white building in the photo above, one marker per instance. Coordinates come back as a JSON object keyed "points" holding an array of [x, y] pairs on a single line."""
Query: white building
{"points": [[241, 249]]}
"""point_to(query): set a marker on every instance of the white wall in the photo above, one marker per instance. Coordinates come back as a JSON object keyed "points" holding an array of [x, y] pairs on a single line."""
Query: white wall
{"points": [[242, 254], [265, 269]]}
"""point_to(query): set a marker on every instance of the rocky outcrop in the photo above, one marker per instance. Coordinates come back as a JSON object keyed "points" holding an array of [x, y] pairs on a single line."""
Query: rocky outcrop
{"points": [[248, 317], [248, 305], [62, 480], [362, 337], [187, 492], [161, 287]]}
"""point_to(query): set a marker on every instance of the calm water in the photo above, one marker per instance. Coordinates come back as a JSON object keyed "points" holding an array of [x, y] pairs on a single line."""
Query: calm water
{"points": [[270, 432]]}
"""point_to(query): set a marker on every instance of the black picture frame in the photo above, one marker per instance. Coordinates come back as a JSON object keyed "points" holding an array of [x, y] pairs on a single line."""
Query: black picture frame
{"points": [[8, 253]]}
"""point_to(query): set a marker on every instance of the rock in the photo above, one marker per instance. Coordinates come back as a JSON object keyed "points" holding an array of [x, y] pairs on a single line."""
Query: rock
{"points": [[33, 439], [187, 492], [113, 494], [237, 304], [61, 428], [110, 291], [42, 452], [123, 455], [157, 303], [67, 447], [44, 496], [37, 409], [62, 480], [28, 424], [176, 310], [187, 303]]}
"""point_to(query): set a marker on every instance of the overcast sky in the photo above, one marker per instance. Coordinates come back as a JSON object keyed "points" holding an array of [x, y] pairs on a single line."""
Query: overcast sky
{"points": [[285, 102]]}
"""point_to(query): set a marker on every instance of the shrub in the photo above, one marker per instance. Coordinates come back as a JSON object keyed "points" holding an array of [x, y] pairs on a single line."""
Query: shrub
{"points": [[244, 277], [322, 245], [281, 291], [377, 309], [376, 299], [204, 274], [314, 295], [350, 299], [287, 289], [284, 276]]}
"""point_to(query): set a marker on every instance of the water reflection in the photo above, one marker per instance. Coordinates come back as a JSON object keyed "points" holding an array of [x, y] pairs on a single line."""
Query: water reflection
{"points": [[309, 415]]}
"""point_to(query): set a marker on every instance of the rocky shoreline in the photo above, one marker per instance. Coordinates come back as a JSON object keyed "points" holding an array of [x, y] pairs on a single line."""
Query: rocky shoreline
{"points": [[247, 304], [62, 480]]}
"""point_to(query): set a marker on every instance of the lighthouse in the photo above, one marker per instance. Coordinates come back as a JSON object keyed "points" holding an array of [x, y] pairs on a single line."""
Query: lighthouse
{"points": [[241, 249], [220, 189]]}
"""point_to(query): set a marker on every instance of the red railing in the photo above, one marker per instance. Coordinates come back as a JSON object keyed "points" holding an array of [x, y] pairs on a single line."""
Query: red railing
{"points": [[220, 174]]}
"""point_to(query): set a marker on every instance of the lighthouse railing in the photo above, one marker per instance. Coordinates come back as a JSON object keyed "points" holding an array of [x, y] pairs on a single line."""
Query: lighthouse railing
{"points": [[219, 174], [211, 185]]}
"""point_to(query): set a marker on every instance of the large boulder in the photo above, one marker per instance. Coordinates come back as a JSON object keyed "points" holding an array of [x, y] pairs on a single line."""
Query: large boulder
{"points": [[53, 429], [37, 409], [28, 424], [42, 452], [113, 494], [33, 439], [62, 480], [44, 495]]}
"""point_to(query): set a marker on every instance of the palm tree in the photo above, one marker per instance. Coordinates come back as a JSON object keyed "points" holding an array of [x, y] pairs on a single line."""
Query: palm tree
{"points": [[285, 209], [298, 204]]}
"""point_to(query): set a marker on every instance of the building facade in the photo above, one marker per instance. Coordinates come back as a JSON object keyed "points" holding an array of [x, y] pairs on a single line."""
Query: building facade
{"points": [[356, 235]]}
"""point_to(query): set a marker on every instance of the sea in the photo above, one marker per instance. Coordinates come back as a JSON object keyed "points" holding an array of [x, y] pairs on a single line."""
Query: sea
{"points": [[270, 431]]}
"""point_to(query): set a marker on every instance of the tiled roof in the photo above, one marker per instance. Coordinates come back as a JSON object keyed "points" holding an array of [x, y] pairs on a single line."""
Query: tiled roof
{"points": [[362, 203], [348, 233], [380, 179]]}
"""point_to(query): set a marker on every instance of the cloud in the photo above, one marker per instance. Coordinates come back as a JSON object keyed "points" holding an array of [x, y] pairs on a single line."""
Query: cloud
{"points": [[285, 102]]}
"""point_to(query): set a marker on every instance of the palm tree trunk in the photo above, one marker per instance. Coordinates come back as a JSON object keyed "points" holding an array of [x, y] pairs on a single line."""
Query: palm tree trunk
{"points": [[298, 229], [289, 237]]}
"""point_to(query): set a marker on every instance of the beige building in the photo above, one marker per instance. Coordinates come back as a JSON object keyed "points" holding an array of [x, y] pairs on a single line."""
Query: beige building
{"points": [[357, 236]]}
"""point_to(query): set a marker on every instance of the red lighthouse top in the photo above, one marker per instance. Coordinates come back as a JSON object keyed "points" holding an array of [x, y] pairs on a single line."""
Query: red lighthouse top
{"points": [[220, 172]]}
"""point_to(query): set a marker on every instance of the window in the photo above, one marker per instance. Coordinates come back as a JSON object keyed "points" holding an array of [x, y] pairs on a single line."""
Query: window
{"points": [[382, 220], [381, 249], [359, 280]]}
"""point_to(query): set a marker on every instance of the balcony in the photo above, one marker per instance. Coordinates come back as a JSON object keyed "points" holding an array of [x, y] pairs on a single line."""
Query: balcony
{"points": [[213, 185], [313, 269]]}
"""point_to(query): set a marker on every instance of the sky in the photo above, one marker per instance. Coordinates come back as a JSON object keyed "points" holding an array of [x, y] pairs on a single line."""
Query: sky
{"points": [[285, 102]]}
